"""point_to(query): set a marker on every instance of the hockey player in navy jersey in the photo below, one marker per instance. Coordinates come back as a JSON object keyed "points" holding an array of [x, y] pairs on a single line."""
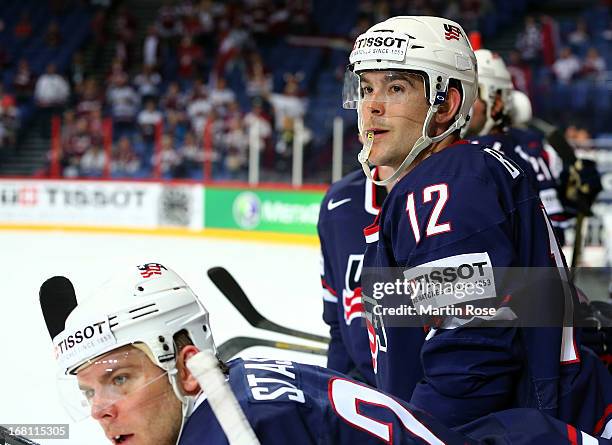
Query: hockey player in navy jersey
{"points": [[456, 207], [126, 357], [347, 208], [491, 124]]}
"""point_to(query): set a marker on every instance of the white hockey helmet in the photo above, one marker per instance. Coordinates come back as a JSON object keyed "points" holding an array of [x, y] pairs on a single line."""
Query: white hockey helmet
{"points": [[434, 47], [493, 78], [521, 112], [144, 305]]}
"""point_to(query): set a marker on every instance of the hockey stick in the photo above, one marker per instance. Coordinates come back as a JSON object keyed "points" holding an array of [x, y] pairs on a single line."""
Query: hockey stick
{"points": [[233, 346], [204, 366], [13, 439], [57, 300], [229, 287]]}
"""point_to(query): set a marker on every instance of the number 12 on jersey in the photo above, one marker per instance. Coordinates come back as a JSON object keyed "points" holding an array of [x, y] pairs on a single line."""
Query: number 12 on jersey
{"points": [[433, 226]]}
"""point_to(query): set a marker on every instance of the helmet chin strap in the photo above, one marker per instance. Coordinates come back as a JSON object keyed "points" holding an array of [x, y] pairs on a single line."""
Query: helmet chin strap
{"points": [[421, 144], [187, 402]]}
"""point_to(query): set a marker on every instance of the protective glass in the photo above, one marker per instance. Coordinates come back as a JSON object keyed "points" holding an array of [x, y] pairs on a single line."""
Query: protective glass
{"points": [[379, 86], [125, 373]]}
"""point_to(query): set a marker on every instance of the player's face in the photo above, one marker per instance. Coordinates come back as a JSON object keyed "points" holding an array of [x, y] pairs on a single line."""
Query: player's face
{"points": [[394, 107], [478, 117], [132, 399]]}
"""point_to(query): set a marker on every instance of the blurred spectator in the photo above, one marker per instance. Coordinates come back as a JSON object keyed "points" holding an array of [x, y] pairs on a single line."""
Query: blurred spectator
{"points": [[117, 71], [221, 96], [150, 49], [278, 21], [209, 13], [168, 23], [125, 31], [76, 72], [192, 156], [567, 66], [148, 83], [579, 137], [284, 143], [300, 17], [233, 42], [23, 28], [93, 161], [52, 90], [257, 122], [53, 36], [96, 123], [8, 118], [593, 66], [288, 103], [68, 128], [23, 82], [550, 39], [580, 36], [190, 56], [520, 72], [173, 102], [236, 144], [148, 119], [197, 110], [529, 42], [259, 80], [125, 162], [168, 158], [124, 103], [89, 99], [256, 18], [190, 21]]}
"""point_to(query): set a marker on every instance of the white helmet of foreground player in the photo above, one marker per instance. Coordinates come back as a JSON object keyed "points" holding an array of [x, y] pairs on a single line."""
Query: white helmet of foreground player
{"points": [[493, 79], [143, 307], [432, 47]]}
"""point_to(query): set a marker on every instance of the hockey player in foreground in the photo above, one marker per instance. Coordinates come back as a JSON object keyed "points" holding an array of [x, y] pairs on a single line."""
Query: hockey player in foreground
{"points": [[126, 357], [457, 205]]}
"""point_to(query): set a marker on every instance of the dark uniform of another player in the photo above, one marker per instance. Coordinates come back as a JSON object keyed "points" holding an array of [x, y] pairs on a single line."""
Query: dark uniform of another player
{"points": [[349, 205]]}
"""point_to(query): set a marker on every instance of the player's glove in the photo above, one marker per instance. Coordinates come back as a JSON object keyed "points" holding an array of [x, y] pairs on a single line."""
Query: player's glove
{"points": [[582, 185], [597, 336]]}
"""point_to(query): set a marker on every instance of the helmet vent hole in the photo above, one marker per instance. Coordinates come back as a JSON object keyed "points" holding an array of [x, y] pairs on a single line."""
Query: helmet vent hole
{"points": [[204, 328], [140, 288]]}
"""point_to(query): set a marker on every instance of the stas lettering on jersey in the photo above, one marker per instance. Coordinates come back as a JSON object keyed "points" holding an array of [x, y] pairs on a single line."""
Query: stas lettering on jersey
{"points": [[380, 45], [73, 345], [273, 380]]}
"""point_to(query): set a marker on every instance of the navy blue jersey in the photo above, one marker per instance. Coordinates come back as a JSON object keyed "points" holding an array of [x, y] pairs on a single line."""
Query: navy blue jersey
{"points": [[547, 167], [349, 206], [469, 205], [288, 402], [526, 149]]}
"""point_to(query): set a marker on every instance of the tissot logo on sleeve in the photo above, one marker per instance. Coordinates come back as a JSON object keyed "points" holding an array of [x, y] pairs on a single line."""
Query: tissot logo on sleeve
{"points": [[331, 205]]}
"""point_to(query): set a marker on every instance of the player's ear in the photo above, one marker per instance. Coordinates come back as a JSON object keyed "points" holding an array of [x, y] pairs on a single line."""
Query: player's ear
{"points": [[447, 111], [188, 382]]}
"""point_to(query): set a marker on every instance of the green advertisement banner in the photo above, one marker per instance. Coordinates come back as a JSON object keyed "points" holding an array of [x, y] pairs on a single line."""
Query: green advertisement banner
{"points": [[262, 210]]}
